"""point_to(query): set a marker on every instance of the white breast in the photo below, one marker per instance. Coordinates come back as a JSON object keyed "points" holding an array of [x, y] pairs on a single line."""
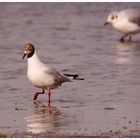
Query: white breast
{"points": [[43, 76], [36, 73]]}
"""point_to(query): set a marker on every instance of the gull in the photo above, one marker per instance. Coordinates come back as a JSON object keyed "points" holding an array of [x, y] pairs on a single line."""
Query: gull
{"points": [[43, 76], [125, 21]]}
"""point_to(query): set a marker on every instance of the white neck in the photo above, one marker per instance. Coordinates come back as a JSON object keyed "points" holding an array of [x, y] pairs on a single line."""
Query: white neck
{"points": [[34, 61]]}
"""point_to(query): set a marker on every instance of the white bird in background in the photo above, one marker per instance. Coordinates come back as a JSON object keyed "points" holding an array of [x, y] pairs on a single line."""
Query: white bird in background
{"points": [[125, 21], [43, 76]]}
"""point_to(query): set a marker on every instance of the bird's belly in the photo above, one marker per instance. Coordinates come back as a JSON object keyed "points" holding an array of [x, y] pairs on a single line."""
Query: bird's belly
{"points": [[127, 28], [41, 81]]}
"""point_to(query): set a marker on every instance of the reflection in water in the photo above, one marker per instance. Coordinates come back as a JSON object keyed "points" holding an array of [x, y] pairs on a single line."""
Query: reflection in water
{"points": [[125, 52], [42, 119]]}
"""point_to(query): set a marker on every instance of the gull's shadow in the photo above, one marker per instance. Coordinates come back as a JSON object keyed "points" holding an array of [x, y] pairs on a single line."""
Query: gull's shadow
{"points": [[126, 52], [128, 45], [42, 119]]}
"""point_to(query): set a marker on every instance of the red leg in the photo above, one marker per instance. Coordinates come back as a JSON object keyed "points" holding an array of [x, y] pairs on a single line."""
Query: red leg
{"points": [[49, 97], [36, 95]]}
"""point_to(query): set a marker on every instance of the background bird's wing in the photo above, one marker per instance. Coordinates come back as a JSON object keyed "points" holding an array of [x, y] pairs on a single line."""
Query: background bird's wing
{"points": [[133, 16]]}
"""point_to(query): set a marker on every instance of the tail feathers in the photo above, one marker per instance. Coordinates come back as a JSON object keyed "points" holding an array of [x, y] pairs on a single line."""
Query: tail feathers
{"points": [[75, 76]]}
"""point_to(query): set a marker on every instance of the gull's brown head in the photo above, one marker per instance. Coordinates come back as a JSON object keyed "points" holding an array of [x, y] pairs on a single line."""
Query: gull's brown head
{"points": [[28, 50]]}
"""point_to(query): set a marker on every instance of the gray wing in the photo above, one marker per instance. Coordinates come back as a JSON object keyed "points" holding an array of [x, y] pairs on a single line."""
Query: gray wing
{"points": [[136, 21], [57, 77], [133, 16]]}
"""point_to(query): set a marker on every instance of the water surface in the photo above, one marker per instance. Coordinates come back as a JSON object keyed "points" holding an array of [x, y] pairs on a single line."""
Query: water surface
{"points": [[71, 38]]}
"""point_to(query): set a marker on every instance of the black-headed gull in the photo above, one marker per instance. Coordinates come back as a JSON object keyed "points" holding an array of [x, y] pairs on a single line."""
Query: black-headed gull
{"points": [[125, 21], [42, 75]]}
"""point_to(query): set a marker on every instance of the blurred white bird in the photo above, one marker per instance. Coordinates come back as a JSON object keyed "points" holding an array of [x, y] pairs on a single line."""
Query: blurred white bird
{"points": [[125, 21], [43, 76]]}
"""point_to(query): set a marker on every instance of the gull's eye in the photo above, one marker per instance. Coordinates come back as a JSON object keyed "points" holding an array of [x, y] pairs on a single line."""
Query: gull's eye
{"points": [[112, 17]]}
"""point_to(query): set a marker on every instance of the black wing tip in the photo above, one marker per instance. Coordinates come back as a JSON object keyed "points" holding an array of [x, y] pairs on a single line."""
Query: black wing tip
{"points": [[80, 79], [75, 76], [72, 75]]}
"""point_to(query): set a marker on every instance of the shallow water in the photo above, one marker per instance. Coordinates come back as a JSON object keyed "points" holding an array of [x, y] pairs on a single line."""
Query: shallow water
{"points": [[71, 38]]}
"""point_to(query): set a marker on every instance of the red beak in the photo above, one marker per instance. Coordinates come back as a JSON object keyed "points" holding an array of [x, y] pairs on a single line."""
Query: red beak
{"points": [[24, 56]]}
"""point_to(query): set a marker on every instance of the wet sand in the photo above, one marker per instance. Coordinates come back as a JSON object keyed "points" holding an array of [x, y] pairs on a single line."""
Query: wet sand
{"points": [[71, 38]]}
